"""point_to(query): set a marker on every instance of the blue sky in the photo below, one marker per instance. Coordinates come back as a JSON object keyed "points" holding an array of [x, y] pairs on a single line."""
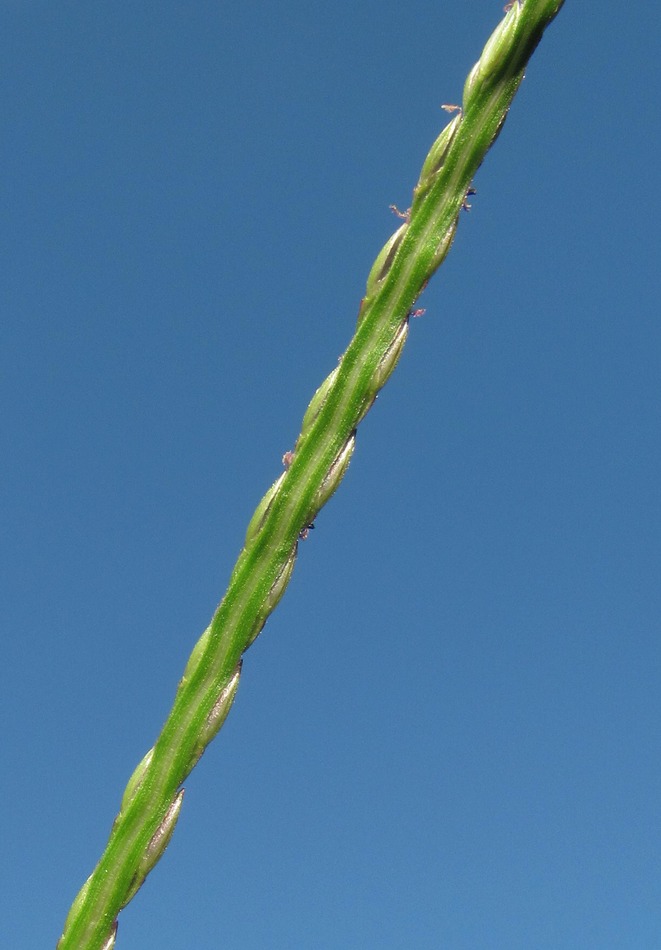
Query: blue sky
{"points": [[449, 734]]}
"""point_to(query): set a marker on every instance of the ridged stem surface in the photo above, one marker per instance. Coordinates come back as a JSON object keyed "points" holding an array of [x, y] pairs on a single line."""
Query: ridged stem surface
{"points": [[153, 797]]}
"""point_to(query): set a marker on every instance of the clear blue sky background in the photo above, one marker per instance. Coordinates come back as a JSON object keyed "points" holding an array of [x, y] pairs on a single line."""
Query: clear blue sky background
{"points": [[449, 734]]}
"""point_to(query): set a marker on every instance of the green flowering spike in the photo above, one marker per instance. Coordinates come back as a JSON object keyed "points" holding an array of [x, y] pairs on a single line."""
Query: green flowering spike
{"points": [[152, 800]]}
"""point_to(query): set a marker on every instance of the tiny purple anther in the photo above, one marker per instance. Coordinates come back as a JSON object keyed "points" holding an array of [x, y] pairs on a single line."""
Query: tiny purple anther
{"points": [[404, 215]]}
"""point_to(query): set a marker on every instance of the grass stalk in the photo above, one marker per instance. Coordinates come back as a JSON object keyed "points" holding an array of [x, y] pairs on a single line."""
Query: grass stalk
{"points": [[153, 798]]}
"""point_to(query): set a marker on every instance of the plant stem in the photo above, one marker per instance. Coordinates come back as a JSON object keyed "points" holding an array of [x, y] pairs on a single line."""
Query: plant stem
{"points": [[152, 800]]}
